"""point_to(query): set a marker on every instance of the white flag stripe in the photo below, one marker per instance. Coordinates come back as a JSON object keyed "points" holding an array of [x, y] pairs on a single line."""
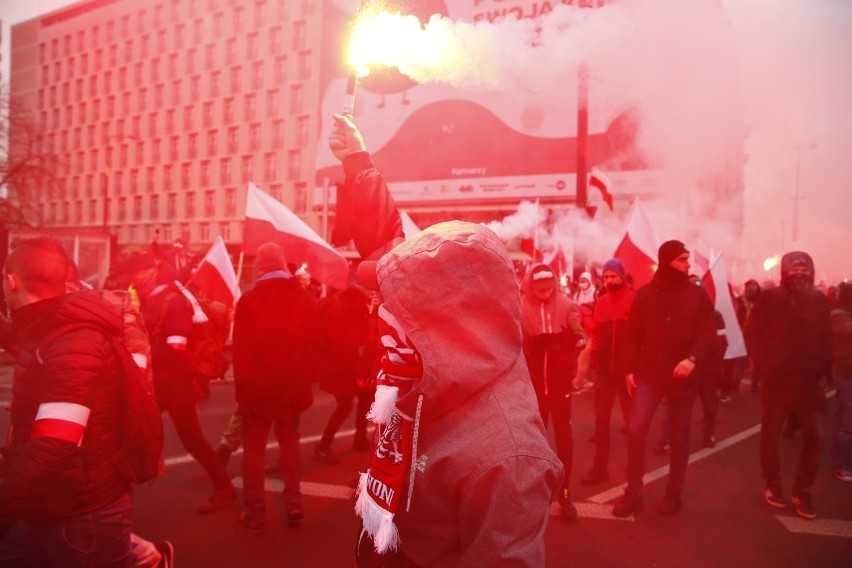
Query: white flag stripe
{"points": [[261, 205], [176, 340], [67, 411]]}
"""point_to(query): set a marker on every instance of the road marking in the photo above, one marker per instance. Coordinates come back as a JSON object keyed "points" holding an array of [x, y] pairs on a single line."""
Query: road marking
{"points": [[186, 458], [590, 511], [825, 527], [307, 488], [661, 472]]}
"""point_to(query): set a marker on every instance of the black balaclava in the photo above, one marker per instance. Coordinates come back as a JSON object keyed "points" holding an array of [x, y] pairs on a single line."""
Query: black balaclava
{"points": [[797, 282], [669, 251], [752, 290]]}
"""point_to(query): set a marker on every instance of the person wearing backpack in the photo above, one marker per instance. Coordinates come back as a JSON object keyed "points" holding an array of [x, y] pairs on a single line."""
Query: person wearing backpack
{"points": [[62, 485], [168, 318]]}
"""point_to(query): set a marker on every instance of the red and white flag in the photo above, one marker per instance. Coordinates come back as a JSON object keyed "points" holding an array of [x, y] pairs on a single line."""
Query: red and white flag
{"points": [[268, 220], [598, 180], [215, 275], [638, 249], [409, 229], [716, 282]]}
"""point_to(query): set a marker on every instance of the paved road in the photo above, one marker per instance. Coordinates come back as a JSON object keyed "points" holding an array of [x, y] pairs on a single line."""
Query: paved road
{"points": [[724, 523]]}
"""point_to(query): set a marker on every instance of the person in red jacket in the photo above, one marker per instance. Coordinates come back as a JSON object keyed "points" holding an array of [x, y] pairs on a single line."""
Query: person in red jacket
{"points": [[62, 500], [609, 337]]}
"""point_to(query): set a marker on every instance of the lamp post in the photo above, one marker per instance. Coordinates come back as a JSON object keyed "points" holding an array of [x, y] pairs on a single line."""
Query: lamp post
{"points": [[796, 197]]}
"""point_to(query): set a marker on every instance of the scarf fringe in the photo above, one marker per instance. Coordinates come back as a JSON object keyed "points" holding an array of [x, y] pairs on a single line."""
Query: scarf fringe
{"points": [[376, 521], [384, 404]]}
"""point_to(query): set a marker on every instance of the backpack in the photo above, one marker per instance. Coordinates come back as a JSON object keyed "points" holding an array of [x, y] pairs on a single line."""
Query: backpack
{"points": [[140, 425], [211, 322]]}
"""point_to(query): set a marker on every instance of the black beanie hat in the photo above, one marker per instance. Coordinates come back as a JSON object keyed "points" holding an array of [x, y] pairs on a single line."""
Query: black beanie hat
{"points": [[669, 251]]}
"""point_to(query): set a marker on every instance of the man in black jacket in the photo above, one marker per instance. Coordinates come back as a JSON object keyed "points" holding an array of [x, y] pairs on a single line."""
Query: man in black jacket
{"points": [[275, 343], [670, 331], [62, 495], [789, 336]]}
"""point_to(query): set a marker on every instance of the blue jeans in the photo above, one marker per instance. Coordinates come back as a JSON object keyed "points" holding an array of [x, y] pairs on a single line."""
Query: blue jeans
{"points": [[100, 539], [255, 435], [680, 398], [841, 448]]}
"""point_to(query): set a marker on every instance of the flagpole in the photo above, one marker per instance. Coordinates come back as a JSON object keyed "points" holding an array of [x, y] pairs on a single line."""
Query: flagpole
{"points": [[233, 307]]}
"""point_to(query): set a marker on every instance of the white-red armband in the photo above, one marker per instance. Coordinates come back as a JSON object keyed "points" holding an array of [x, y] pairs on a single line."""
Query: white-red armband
{"points": [[63, 420], [178, 342]]}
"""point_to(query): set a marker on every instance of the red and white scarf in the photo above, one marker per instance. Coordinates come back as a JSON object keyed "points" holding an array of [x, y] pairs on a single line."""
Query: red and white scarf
{"points": [[380, 488]]}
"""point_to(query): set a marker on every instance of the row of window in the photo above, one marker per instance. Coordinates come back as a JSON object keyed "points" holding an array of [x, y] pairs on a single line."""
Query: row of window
{"points": [[158, 179], [116, 30], [125, 210], [211, 84], [173, 60]]}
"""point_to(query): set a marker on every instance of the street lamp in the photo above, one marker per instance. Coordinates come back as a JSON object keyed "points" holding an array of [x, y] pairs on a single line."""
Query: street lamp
{"points": [[796, 197]]}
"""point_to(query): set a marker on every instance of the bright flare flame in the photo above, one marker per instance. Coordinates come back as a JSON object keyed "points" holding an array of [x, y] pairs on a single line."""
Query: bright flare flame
{"points": [[771, 262], [389, 40]]}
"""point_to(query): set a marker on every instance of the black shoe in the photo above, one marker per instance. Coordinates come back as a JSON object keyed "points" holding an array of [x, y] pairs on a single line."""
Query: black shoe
{"points": [[167, 554], [295, 515], [670, 504], [569, 511], [775, 497], [325, 455], [804, 507], [627, 505], [595, 476], [709, 442]]}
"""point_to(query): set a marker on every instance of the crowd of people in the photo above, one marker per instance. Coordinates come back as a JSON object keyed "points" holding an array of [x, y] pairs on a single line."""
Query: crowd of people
{"points": [[460, 364]]}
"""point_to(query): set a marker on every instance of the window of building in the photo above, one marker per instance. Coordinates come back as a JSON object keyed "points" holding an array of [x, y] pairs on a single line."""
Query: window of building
{"points": [[276, 41], [173, 65], [231, 202], [113, 55], [296, 99], [278, 134], [179, 31], [161, 41], [207, 114], [250, 107], [140, 152], [142, 99], [236, 79], [170, 121], [128, 49], [209, 56], [190, 61], [155, 70], [204, 173], [158, 15], [257, 75], [305, 65], [252, 46], [71, 65], [171, 206], [259, 14], [215, 80], [152, 124], [137, 207], [150, 179], [93, 210], [78, 213], [270, 172], [186, 175], [212, 136], [225, 230], [192, 146], [187, 118], [294, 164], [156, 150], [210, 203], [118, 182], [189, 205], [99, 60], [168, 177], [254, 137], [228, 107], [247, 168], [231, 51], [122, 209], [176, 100], [302, 130], [198, 31], [299, 34], [134, 181], [218, 25], [272, 103], [224, 171], [155, 206], [233, 139], [174, 146], [144, 46], [300, 198], [204, 232]]}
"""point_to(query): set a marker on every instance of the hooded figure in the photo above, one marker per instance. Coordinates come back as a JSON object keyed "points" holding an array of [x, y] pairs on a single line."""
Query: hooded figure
{"points": [[789, 335], [458, 418]]}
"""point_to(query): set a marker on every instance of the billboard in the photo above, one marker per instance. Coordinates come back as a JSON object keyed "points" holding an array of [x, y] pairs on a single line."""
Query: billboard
{"points": [[445, 141]]}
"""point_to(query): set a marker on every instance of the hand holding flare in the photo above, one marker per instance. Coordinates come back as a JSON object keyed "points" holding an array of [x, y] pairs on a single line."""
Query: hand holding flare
{"points": [[344, 138]]}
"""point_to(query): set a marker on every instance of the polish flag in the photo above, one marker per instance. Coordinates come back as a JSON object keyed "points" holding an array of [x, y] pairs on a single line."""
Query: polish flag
{"points": [[267, 219], [215, 275], [716, 279], [638, 249], [598, 180]]}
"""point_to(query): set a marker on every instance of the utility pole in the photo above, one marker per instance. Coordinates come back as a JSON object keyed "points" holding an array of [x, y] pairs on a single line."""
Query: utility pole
{"points": [[582, 196], [796, 197]]}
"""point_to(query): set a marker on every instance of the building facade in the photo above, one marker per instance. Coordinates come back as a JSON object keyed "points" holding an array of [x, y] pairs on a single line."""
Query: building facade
{"points": [[161, 112]]}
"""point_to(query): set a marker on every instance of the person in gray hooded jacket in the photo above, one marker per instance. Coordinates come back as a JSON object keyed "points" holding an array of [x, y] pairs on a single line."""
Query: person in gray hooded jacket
{"points": [[463, 474]]}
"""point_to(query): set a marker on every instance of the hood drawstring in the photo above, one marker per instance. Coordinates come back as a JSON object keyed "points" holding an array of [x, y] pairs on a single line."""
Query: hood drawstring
{"points": [[413, 467]]}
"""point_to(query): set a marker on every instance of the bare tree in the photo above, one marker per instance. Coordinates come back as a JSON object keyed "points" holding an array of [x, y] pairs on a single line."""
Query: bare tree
{"points": [[27, 170]]}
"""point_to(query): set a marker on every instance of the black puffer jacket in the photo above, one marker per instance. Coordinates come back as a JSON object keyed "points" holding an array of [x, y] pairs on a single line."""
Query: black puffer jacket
{"points": [[61, 362], [671, 319]]}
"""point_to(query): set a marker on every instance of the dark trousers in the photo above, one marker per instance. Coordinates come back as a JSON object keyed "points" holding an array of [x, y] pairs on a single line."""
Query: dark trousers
{"points": [[178, 400], [556, 404], [808, 403], [100, 538], [680, 398], [607, 388], [342, 410]]}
